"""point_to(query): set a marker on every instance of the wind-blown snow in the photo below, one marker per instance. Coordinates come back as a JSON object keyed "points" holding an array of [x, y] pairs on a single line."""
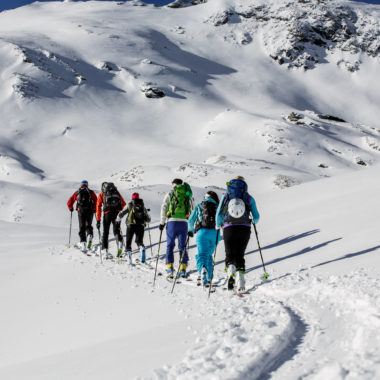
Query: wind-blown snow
{"points": [[138, 95]]}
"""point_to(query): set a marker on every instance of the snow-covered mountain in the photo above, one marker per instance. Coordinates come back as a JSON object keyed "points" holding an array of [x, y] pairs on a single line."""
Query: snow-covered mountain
{"points": [[247, 86], [285, 93]]}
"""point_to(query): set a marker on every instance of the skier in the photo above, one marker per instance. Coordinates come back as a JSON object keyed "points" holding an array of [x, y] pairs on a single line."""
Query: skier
{"points": [[176, 209], [112, 202], [136, 221], [86, 201], [202, 221], [233, 214]]}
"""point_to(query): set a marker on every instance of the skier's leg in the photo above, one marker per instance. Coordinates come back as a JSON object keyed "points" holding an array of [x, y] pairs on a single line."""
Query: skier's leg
{"points": [[170, 244], [140, 240], [243, 234], [106, 229], [82, 226], [182, 239]]}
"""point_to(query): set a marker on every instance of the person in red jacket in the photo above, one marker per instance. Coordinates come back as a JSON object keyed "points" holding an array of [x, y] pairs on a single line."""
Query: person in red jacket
{"points": [[86, 202], [112, 203]]}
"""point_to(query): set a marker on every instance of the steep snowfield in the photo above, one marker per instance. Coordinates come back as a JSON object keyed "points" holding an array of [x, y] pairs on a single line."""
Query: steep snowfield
{"points": [[250, 88]]}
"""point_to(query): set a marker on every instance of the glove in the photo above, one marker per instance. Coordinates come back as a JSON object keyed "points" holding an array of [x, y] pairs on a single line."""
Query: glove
{"points": [[161, 227], [98, 224], [190, 234], [71, 209]]}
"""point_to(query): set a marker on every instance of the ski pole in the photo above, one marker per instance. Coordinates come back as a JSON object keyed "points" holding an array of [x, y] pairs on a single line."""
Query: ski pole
{"points": [[265, 275], [158, 256], [71, 223], [213, 261], [150, 242], [180, 263], [100, 246]]}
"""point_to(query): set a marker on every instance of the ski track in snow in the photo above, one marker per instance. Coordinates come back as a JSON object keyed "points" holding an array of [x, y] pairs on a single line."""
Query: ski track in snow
{"points": [[297, 325]]}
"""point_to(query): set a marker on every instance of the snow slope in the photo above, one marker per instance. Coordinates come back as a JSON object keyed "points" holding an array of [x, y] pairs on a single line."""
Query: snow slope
{"points": [[74, 104]]}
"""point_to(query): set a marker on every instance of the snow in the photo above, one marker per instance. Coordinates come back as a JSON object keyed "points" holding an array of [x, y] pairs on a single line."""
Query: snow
{"points": [[72, 108]]}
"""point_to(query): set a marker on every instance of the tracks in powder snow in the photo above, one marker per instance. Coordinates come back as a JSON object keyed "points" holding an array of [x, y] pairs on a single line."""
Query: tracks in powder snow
{"points": [[295, 326]]}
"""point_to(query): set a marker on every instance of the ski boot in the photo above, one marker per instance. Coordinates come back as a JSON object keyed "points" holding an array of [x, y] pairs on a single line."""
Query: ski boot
{"points": [[143, 256], [107, 255], [231, 270], [83, 247], [204, 276], [182, 271], [89, 241], [119, 249], [170, 270], [241, 281], [129, 257]]}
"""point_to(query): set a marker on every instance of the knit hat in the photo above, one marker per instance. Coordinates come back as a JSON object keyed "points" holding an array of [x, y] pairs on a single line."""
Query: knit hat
{"points": [[84, 183], [135, 196]]}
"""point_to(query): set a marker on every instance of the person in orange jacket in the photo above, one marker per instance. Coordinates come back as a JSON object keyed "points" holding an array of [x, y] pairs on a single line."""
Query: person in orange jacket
{"points": [[86, 201], [112, 203]]}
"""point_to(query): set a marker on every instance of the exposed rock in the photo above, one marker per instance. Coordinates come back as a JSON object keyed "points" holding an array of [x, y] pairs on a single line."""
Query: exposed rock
{"points": [[295, 116], [152, 92], [331, 118], [302, 33], [361, 162]]}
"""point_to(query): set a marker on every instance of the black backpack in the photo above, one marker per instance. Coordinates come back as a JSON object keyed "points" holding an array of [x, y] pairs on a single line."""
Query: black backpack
{"points": [[208, 216], [84, 199], [136, 213], [112, 200]]}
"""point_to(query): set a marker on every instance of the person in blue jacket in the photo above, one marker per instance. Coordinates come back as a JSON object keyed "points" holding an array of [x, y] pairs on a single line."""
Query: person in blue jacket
{"points": [[202, 221], [234, 215]]}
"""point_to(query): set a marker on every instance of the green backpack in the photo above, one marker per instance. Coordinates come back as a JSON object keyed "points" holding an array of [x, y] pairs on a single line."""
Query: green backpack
{"points": [[180, 202]]}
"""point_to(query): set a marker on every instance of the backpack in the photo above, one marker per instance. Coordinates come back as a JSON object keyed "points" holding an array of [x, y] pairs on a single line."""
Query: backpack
{"points": [[84, 199], [180, 202], [208, 216], [112, 200], [136, 213], [236, 189]]}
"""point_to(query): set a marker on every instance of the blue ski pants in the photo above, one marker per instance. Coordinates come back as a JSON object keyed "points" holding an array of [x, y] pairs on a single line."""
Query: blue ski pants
{"points": [[206, 239], [175, 229]]}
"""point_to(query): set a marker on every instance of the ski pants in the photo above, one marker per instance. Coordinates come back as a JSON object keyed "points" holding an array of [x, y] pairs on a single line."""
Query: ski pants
{"points": [[85, 224], [176, 229], [206, 240], [236, 239], [109, 219], [138, 231]]}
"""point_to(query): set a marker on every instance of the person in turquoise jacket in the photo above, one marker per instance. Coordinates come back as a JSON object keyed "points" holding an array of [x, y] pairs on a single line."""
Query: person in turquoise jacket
{"points": [[202, 221]]}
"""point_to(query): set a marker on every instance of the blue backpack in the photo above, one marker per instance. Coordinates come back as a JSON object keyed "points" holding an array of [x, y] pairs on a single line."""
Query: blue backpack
{"points": [[236, 189]]}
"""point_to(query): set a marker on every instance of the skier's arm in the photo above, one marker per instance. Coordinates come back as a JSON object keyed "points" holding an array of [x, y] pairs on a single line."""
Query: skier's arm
{"points": [[219, 211], [165, 208], [94, 199], [123, 203], [147, 216], [71, 201], [255, 213], [121, 214], [193, 218], [99, 205]]}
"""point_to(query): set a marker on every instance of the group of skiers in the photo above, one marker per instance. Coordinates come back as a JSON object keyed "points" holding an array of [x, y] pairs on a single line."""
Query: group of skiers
{"points": [[233, 213]]}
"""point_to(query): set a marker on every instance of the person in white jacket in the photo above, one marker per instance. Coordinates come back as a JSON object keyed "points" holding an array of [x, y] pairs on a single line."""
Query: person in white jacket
{"points": [[175, 211]]}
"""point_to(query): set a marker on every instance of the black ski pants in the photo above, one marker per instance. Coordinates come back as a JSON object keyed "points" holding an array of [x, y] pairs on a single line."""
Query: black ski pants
{"points": [[135, 229], [108, 219], [236, 239], [85, 224]]}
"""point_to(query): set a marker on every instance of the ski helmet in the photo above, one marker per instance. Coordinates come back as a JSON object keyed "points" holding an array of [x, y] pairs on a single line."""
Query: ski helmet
{"points": [[236, 208]]}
